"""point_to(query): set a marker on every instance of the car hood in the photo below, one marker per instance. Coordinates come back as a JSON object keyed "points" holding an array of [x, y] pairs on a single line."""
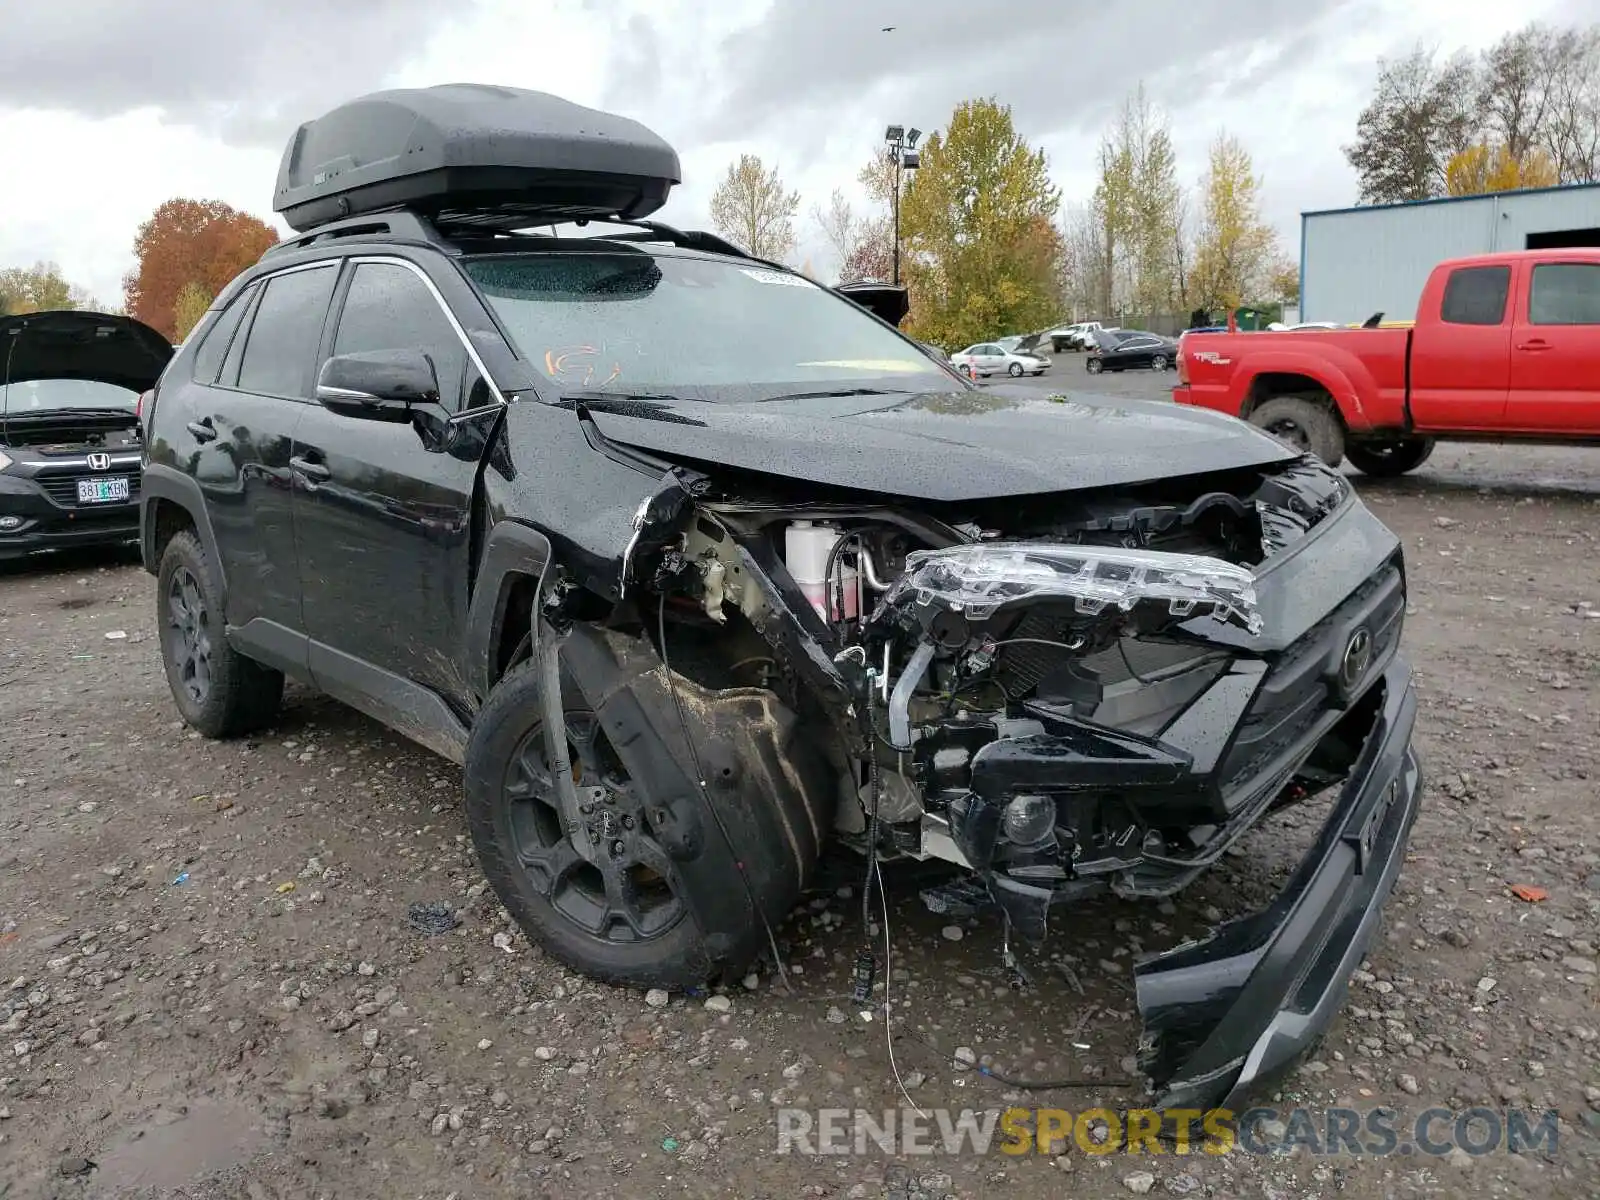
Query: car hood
{"points": [[68, 344], [944, 446]]}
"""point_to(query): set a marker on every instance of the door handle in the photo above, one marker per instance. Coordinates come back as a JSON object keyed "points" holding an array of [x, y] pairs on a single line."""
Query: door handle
{"points": [[203, 431], [313, 471], [1535, 344]]}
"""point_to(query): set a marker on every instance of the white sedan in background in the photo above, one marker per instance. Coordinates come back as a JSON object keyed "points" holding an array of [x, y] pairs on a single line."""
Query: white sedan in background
{"points": [[991, 358]]}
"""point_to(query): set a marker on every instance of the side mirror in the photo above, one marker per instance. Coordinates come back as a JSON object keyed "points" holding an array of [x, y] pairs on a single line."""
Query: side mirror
{"points": [[377, 385]]}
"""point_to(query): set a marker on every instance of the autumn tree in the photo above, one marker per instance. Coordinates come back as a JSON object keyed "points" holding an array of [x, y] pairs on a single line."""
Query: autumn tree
{"points": [[203, 243], [752, 208], [839, 224], [1283, 281], [1421, 114], [1235, 248], [982, 254], [39, 288], [1483, 168], [1138, 205], [1534, 95], [187, 310]]}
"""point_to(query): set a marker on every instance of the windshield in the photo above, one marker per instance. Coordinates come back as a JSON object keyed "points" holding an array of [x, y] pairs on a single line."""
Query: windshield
{"points": [[45, 395], [630, 322]]}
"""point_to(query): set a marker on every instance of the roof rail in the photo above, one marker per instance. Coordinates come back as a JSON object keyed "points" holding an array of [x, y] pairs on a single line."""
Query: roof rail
{"points": [[408, 225], [395, 225]]}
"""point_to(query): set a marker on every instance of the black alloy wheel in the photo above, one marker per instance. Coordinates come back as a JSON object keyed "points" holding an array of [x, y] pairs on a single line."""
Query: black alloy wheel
{"points": [[620, 890], [190, 643]]}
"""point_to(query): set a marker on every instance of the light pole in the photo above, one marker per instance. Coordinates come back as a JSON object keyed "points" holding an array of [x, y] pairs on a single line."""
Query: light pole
{"points": [[902, 153]]}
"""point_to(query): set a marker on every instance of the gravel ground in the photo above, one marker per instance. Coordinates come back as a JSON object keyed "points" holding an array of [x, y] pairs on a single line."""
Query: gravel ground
{"points": [[209, 986]]}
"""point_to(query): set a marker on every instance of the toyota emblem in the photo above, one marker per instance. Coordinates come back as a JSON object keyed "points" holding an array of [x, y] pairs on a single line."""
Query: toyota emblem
{"points": [[99, 462], [1357, 658]]}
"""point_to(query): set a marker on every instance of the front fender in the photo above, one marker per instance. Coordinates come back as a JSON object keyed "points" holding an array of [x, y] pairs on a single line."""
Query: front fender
{"points": [[512, 551]]}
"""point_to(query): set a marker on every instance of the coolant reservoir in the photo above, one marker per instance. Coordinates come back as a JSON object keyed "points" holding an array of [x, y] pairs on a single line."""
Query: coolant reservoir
{"points": [[806, 546]]}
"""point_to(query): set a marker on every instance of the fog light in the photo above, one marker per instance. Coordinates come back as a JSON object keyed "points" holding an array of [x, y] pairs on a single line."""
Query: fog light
{"points": [[7, 524], [1029, 820]]}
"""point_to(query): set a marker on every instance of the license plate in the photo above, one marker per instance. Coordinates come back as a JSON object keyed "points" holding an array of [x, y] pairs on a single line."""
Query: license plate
{"points": [[103, 491]]}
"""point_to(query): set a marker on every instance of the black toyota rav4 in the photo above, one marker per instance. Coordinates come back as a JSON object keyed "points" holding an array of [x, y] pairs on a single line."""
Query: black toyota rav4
{"points": [[696, 565]]}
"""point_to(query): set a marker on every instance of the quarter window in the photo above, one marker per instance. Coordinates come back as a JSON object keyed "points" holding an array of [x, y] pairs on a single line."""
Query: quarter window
{"points": [[217, 339], [1565, 294]]}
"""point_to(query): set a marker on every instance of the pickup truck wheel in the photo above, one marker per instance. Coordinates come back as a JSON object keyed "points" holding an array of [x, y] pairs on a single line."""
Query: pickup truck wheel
{"points": [[1304, 425], [218, 691], [1390, 457], [612, 914]]}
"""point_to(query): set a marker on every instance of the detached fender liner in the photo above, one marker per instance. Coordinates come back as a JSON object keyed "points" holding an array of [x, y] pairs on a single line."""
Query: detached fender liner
{"points": [[772, 794], [1224, 1015]]}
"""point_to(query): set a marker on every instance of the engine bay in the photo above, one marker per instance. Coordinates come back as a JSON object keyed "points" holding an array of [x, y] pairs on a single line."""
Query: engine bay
{"points": [[1016, 693]]}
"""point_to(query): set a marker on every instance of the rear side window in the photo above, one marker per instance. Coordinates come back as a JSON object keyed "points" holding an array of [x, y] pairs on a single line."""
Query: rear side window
{"points": [[282, 344], [1565, 294], [1476, 296], [208, 355]]}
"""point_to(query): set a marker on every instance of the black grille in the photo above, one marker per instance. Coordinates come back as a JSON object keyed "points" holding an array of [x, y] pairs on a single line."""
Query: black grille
{"points": [[63, 489], [1301, 689]]}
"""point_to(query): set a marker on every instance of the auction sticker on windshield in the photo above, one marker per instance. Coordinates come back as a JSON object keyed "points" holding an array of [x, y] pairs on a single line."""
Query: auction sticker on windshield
{"points": [[103, 491], [777, 277]]}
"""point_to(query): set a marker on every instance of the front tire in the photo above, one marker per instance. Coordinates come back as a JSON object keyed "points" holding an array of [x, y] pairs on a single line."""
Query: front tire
{"points": [[218, 691], [1158, 363], [1391, 457], [1015, 370], [618, 919], [1095, 366], [1303, 425]]}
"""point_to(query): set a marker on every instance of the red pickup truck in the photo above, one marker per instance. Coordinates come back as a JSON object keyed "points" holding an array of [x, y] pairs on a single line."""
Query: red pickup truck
{"points": [[1505, 347]]}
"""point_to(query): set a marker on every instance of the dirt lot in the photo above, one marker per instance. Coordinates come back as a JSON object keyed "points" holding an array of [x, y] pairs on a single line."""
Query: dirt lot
{"points": [[209, 986]]}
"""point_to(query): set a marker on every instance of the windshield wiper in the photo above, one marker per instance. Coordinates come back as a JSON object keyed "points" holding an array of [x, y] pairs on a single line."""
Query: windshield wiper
{"points": [[862, 391]]}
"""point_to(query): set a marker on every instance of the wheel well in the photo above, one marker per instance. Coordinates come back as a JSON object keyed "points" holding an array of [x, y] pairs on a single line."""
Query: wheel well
{"points": [[516, 623], [168, 519], [1275, 384]]}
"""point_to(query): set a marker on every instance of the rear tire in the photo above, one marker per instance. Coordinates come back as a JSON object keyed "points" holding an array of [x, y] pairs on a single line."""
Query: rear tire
{"points": [[1303, 425], [218, 691], [1389, 458]]}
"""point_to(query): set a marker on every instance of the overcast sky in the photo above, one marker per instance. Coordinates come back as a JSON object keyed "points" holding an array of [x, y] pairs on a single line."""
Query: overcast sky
{"points": [[108, 107]]}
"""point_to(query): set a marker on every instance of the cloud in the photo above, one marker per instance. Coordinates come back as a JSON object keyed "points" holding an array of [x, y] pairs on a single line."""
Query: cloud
{"points": [[244, 70]]}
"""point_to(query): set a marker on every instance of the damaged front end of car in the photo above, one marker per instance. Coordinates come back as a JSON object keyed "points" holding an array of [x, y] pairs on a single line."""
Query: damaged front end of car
{"points": [[1059, 695]]}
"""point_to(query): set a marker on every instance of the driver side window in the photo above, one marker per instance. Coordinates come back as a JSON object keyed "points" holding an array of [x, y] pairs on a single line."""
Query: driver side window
{"points": [[387, 307]]}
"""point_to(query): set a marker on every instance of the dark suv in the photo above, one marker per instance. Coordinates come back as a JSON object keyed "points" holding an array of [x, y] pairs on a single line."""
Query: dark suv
{"points": [[696, 565]]}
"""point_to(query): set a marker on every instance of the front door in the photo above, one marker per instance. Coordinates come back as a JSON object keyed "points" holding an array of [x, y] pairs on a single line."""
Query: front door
{"points": [[383, 511], [1555, 356]]}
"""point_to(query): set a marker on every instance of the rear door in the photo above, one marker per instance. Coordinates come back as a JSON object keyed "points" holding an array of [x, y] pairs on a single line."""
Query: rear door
{"points": [[1555, 361], [243, 422], [1461, 355], [383, 511]]}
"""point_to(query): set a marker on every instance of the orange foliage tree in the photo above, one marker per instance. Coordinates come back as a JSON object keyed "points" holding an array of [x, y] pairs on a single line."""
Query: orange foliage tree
{"points": [[198, 245]]}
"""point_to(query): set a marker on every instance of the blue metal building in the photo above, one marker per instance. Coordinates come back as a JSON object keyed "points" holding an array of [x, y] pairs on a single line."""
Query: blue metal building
{"points": [[1358, 261]]}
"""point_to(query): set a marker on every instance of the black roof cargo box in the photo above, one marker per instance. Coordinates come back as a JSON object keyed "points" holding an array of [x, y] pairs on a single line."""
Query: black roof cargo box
{"points": [[472, 154]]}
